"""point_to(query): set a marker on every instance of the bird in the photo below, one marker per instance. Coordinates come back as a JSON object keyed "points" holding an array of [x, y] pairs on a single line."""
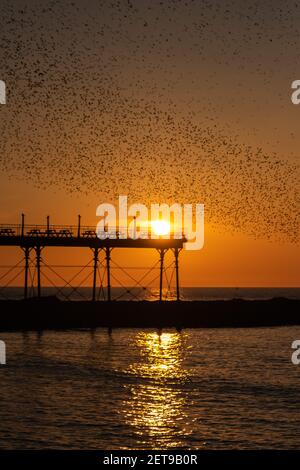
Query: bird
{"points": [[130, 98]]}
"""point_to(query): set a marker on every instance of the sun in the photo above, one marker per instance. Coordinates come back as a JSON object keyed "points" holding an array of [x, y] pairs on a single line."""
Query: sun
{"points": [[160, 227]]}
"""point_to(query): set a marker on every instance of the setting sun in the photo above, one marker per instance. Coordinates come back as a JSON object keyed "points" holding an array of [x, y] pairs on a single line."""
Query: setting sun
{"points": [[160, 227]]}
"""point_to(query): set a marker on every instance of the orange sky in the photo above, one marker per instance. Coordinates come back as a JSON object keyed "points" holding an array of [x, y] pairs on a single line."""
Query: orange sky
{"points": [[164, 102], [228, 260]]}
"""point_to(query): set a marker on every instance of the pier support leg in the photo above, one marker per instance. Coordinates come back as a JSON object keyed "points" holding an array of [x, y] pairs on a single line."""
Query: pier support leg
{"points": [[38, 267], [176, 254], [162, 255], [96, 251], [26, 251], [107, 257]]}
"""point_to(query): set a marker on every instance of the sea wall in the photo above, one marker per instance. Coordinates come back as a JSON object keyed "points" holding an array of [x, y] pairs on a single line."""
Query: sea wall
{"points": [[51, 313]]}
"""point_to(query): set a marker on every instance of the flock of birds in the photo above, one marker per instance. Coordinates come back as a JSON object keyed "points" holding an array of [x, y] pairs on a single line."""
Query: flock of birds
{"points": [[98, 103]]}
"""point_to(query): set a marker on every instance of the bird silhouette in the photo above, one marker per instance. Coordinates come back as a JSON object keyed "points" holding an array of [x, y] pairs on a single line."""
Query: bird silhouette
{"points": [[101, 100]]}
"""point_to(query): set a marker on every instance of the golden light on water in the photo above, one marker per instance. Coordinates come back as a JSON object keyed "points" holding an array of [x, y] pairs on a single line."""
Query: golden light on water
{"points": [[161, 355], [156, 409]]}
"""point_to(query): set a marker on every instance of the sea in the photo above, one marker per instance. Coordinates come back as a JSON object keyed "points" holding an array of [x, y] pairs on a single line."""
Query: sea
{"points": [[132, 389], [152, 294]]}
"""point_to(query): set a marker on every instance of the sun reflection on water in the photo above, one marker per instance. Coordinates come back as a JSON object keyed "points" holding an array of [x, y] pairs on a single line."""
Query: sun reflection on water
{"points": [[161, 356], [156, 408]]}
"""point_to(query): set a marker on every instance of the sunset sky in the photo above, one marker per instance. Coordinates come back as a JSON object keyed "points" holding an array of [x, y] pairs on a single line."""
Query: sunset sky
{"points": [[178, 101]]}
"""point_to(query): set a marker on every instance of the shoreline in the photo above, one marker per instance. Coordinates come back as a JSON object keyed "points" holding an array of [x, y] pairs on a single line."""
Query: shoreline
{"points": [[50, 313]]}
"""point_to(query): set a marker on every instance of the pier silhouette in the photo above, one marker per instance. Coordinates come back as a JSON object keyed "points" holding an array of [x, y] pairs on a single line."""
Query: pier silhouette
{"points": [[35, 238]]}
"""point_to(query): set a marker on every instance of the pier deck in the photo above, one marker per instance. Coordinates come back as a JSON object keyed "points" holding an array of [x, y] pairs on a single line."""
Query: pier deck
{"points": [[72, 236]]}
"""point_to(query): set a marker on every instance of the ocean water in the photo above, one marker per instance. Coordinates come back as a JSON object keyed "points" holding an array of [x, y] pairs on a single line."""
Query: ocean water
{"points": [[138, 389], [138, 293]]}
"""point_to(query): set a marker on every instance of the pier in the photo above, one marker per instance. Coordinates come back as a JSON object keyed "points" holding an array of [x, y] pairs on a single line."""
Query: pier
{"points": [[34, 239], [37, 311]]}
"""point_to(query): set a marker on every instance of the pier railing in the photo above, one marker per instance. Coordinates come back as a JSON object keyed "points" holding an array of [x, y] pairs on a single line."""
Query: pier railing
{"points": [[73, 231]]}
